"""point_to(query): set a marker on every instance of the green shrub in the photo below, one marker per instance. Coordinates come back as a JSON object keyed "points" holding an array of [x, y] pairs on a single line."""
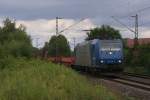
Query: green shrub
{"points": [[138, 59], [39, 80]]}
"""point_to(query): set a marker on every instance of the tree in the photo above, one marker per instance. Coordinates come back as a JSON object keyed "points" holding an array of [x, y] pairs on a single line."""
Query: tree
{"points": [[14, 41], [138, 61], [58, 46], [104, 32]]}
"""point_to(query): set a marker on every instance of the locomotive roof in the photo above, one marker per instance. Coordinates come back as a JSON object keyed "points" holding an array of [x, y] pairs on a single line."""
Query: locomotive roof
{"points": [[96, 40], [116, 40]]}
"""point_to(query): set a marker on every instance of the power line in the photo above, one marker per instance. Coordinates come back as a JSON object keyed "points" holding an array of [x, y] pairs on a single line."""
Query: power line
{"points": [[137, 11], [134, 12], [57, 32], [72, 25], [144, 24], [143, 9], [122, 24], [134, 31]]}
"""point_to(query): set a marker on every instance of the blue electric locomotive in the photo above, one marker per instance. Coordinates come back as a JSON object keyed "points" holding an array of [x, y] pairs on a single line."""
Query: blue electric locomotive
{"points": [[99, 54]]}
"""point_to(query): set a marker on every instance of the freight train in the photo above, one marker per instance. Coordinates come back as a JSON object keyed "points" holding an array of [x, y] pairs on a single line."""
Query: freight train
{"points": [[99, 55]]}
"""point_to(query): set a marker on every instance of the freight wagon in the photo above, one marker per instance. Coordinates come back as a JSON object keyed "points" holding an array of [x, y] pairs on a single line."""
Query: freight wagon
{"points": [[62, 60]]}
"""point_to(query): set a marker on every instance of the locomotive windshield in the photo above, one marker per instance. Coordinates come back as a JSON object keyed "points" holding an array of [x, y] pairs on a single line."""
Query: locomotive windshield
{"points": [[110, 46]]}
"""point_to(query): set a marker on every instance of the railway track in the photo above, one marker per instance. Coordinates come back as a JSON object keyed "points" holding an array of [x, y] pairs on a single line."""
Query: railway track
{"points": [[133, 84], [137, 75], [128, 84], [128, 79], [132, 80], [136, 87], [137, 81]]}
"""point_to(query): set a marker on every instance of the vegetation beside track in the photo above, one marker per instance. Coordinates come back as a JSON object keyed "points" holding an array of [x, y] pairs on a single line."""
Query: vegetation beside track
{"points": [[28, 79], [24, 78], [140, 70], [138, 60]]}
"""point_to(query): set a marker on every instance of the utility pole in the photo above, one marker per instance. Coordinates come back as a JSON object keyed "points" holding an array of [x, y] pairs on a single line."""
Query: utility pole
{"points": [[57, 18], [57, 26], [135, 50], [37, 42], [136, 30], [74, 42], [57, 32]]}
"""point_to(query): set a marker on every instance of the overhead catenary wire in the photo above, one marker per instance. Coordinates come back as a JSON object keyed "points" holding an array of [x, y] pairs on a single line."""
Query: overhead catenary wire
{"points": [[143, 9], [129, 15], [122, 24], [72, 25], [134, 12]]}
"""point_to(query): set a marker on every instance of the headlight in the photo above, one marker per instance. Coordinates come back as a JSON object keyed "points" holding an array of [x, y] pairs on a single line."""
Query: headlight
{"points": [[119, 61], [102, 61], [110, 53]]}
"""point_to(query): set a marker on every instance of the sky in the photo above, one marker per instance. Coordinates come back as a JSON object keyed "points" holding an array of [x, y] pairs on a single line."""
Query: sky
{"points": [[39, 17]]}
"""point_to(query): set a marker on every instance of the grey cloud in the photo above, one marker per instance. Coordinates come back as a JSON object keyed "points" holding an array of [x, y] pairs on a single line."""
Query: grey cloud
{"points": [[34, 9], [99, 11], [66, 8]]}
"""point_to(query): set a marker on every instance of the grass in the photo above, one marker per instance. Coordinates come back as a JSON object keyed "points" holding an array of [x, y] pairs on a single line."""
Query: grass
{"points": [[24, 79], [138, 70]]}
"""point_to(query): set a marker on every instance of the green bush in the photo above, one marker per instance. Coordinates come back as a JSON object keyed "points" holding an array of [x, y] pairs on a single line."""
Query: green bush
{"points": [[138, 59], [39, 80]]}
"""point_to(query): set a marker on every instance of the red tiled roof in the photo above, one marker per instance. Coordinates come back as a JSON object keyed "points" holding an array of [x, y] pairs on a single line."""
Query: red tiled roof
{"points": [[130, 42]]}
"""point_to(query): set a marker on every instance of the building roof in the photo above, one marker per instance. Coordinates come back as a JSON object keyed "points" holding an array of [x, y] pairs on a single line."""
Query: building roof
{"points": [[141, 41]]}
